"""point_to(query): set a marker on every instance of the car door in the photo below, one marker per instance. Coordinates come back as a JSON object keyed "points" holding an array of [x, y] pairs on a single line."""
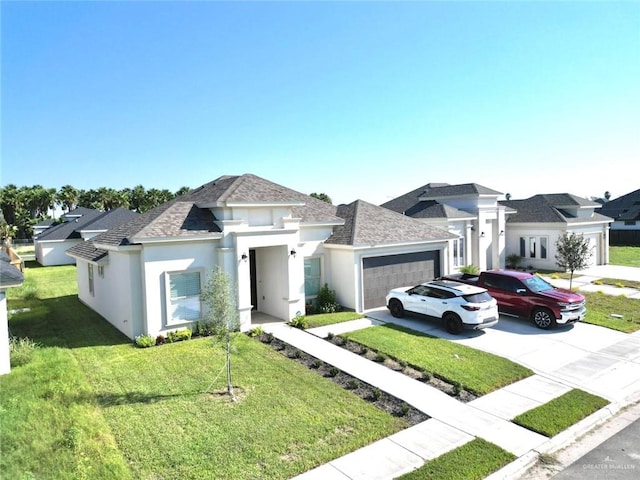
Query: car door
{"points": [[417, 300], [439, 301]]}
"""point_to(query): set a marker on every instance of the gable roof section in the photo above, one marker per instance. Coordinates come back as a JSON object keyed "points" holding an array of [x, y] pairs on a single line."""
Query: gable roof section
{"points": [[370, 225], [108, 220], [549, 208], [69, 229], [626, 207], [417, 205]]}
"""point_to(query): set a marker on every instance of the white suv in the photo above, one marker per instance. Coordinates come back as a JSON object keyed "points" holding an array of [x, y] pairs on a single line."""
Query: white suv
{"points": [[460, 306]]}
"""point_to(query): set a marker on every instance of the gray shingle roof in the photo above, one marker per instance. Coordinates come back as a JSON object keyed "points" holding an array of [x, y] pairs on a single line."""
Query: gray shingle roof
{"points": [[626, 207], [367, 225], [549, 208], [10, 276], [422, 202], [189, 214], [69, 229], [109, 219]]}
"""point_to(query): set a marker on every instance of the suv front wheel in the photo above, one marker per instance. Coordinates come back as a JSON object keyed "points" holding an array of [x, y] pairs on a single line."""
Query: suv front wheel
{"points": [[544, 318]]}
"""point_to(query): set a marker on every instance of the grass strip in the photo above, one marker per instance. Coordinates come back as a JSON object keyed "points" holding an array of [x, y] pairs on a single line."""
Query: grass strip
{"points": [[323, 319], [601, 307], [472, 461], [474, 370], [560, 413]]}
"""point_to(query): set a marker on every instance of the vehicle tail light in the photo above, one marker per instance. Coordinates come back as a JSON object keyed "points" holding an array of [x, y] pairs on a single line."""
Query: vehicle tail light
{"points": [[471, 308]]}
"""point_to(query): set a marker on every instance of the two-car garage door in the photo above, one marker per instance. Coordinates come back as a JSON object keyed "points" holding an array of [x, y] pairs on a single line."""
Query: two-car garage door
{"points": [[381, 274]]}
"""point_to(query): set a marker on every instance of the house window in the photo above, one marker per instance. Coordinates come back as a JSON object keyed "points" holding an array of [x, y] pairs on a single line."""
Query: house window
{"points": [[458, 252], [312, 277], [184, 296], [91, 290], [538, 247]]}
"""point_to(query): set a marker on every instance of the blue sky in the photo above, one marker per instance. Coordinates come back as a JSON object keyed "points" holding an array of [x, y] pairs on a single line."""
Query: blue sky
{"points": [[359, 100]]}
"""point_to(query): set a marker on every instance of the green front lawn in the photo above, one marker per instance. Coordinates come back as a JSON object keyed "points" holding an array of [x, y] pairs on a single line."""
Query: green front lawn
{"points": [[474, 460], [601, 307], [627, 256], [560, 413], [474, 370], [91, 405], [324, 319]]}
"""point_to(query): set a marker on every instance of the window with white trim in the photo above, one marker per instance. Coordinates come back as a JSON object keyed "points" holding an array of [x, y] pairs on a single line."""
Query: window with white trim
{"points": [[458, 252], [312, 277], [91, 288], [183, 293], [534, 247]]}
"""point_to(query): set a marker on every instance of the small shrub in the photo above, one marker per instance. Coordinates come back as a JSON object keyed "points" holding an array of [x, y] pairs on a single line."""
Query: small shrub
{"points": [[179, 335], [333, 371], [330, 336], [352, 384], [513, 260], [145, 341], [299, 321], [376, 394], [204, 329], [326, 300], [380, 357], [404, 410], [267, 337], [469, 269], [21, 350], [160, 340], [256, 332], [316, 364]]}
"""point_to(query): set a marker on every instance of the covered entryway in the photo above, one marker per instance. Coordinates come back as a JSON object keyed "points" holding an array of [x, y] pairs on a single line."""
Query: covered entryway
{"points": [[381, 274]]}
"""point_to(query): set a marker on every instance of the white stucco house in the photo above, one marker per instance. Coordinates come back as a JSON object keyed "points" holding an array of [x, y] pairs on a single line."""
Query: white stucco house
{"points": [[469, 211], [10, 276], [536, 223], [278, 245], [489, 229], [76, 226]]}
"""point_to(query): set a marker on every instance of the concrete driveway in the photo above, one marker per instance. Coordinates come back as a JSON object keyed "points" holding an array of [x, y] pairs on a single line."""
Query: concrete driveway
{"points": [[596, 359]]}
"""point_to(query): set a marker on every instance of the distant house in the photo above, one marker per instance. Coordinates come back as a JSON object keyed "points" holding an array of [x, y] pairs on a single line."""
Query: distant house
{"points": [[536, 223], [77, 226], [279, 247], [489, 230], [469, 211], [43, 225], [10, 276], [625, 212]]}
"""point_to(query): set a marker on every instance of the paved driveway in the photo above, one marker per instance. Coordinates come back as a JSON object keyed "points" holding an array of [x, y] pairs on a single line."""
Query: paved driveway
{"points": [[596, 359]]}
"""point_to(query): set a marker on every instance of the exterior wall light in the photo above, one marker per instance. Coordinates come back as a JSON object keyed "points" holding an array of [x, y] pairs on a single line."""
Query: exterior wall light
{"points": [[244, 257], [482, 234], [293, 252]]}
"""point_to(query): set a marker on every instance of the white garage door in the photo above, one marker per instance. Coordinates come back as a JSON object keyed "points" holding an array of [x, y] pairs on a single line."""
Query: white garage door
{"points": [[381, 274]]}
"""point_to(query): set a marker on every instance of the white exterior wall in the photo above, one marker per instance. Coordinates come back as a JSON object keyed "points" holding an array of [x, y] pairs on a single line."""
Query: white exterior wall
{"points": [[53, 252], [597, 235], [5, 360], [117, 294], [157, 260]]}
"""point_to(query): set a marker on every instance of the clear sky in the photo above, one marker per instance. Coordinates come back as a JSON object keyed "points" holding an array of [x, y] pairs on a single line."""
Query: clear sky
{"points": [[358, 100]]}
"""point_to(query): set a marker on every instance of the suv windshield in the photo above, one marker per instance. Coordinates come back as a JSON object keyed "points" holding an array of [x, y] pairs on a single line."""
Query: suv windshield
{"points": [[478, 297], [537, 284]]}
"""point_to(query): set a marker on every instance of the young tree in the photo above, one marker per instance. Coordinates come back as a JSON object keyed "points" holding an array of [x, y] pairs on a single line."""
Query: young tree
{"points": [[321, 196], [573, 252], [221, 313]]}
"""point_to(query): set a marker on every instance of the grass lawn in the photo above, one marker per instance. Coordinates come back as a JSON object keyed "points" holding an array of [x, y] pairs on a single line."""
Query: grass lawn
{"points": [[91, 405], [628, 256], [474, 370], [560, 413], [601, 306], [474, 460], [322, 319]]}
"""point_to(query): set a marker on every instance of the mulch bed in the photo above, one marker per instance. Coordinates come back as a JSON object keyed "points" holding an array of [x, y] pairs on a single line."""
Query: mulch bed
{"points": [[375, 396]]}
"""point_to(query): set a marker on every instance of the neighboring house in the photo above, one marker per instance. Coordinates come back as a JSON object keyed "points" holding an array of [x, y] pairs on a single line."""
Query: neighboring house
{"points": [[77, 226], [538, 222], [279, 247], [43, 225], [10, 276], [625, 212], [469, 211]]}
